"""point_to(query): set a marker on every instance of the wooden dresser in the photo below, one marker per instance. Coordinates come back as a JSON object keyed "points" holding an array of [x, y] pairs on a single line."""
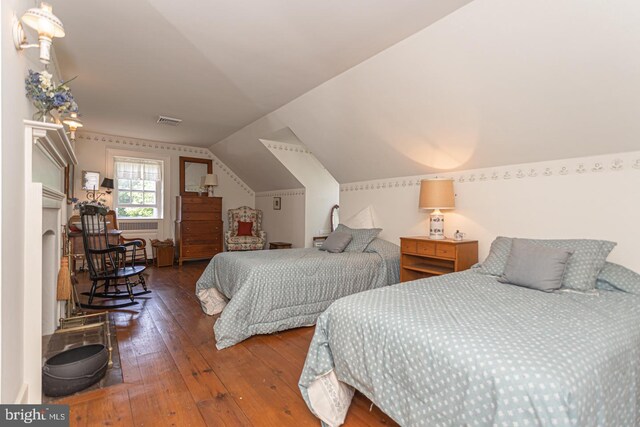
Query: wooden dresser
{"points": [[198, 227], [422, 257]]}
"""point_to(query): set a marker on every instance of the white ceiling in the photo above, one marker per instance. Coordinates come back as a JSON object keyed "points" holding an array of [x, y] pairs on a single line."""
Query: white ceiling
{"points": [[218, 65], [496, 82]]}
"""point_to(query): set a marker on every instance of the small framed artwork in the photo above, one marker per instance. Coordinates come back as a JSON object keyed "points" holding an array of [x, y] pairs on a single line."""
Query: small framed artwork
{"points": [[90, 180], [277, 203]]}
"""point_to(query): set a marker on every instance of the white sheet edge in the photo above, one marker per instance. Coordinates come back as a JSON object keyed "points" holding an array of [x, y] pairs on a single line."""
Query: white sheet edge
{"points": [[330, 399], [211, 301]]}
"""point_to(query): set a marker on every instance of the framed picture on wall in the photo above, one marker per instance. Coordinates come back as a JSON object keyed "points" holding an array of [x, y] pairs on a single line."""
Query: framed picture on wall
{"points": [[277, 203], [90, 180]]}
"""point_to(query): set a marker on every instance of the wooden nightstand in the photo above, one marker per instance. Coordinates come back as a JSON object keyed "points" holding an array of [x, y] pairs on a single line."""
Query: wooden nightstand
{"points": [[279, 245], [422, 257]]}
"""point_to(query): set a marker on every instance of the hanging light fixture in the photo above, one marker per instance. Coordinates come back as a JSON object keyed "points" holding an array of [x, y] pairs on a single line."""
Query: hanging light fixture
{"points": [[74, 123], [45, 23]]}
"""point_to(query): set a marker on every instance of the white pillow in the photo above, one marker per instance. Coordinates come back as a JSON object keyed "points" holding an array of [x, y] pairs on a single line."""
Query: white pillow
{"points": [[363, 219]]}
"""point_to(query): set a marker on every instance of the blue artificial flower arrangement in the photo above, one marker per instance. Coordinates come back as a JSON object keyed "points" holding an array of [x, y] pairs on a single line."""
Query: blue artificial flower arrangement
{"points": [[47, 96]]}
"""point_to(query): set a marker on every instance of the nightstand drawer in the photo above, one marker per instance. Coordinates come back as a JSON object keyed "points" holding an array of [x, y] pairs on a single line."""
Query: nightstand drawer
{"points": [[422, 257], [426, 248], [408, 246], [446, 251]]}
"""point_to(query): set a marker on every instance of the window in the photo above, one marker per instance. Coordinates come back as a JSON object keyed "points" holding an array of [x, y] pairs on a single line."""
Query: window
{"points": [[138, 188]]}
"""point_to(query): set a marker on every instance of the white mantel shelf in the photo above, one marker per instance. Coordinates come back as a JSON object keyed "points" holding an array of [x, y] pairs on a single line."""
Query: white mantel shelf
{"points": [[54, 140], [47, 151]]}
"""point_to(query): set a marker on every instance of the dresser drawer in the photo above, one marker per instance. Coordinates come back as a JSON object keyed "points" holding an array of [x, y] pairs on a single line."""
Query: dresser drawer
{"points": [[200, 208], [445, 251], [201, 227], [201, 239], [426, 248], [202, 203], [201, 251], [408, 246], [202, 216]]}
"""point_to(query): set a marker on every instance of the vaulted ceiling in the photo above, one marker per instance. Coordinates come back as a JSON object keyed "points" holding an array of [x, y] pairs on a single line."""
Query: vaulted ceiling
{"points": [[218, 65], [496, 82], [374, 89]]}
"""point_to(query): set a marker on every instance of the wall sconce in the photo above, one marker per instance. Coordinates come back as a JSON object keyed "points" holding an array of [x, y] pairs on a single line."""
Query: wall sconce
{"points": [[74, 123], [45, 23]]}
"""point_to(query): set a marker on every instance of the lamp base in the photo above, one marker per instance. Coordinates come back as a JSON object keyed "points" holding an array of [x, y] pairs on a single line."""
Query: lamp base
{"points": [[436, 225], [210, 191]]}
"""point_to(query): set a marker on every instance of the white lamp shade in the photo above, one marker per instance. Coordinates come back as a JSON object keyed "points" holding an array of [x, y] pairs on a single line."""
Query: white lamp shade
{"points": [[43, 21], [209, 179], [437, 194]]}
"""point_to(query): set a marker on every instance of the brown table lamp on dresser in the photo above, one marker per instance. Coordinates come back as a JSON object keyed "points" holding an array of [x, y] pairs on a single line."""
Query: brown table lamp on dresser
{"points": [[436, 194]]}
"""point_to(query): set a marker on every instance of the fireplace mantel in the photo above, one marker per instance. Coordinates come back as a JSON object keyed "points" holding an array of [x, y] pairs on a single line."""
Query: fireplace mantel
{"points": [[47, 151]]}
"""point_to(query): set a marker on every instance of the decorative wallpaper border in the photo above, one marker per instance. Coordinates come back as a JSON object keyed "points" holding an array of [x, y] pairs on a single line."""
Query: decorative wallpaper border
{"points": [[166, 146], [577, 166], [285, 146], [280, 193]]}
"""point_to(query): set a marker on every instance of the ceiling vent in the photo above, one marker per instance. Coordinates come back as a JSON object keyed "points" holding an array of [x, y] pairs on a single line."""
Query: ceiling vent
{"points": [[170, 121]]}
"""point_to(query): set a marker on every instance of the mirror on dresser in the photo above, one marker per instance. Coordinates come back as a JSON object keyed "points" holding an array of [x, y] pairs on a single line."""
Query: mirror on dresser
{"points": [[192, 170]]}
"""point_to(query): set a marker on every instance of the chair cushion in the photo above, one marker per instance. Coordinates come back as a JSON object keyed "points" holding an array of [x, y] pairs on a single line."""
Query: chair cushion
{"points": [[245, 228], [244, 239]]}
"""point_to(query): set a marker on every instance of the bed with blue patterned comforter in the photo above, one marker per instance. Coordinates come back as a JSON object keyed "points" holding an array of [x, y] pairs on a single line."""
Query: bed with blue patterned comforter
{"points": [[465, 349], [262, 292]]}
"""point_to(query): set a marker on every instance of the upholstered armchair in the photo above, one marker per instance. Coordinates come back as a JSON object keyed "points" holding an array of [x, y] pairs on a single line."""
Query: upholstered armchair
{"points": [[258, 237]]}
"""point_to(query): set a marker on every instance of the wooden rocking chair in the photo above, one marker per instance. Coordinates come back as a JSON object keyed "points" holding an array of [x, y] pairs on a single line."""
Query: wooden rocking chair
{"points": [[107, 263]]}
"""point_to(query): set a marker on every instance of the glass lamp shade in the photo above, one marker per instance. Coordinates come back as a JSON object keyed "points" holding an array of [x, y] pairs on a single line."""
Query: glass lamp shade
{"points": [[44, 21], [73, 121]]}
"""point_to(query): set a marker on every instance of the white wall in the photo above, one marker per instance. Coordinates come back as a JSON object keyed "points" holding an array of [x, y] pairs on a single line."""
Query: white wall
{"points": [[92, 150], [321, 189], [288, 223], [15, 108], [591, 197]]}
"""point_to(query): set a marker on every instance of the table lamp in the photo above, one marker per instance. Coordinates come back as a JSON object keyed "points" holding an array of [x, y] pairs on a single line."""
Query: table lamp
{"points": [[209, 181], [436, 194]]}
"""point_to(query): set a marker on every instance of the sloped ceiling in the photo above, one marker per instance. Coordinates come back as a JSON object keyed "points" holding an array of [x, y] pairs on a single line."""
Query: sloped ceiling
{"points": [[496, 82], [218, 65]]}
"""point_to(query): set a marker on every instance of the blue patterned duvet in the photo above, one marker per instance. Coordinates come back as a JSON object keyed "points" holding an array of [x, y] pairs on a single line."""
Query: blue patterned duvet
{"points": [[464, 349], [262, 292]]}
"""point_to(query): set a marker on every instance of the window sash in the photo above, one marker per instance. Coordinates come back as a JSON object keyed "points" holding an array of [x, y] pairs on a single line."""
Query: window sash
{"points": [[132, 169]]}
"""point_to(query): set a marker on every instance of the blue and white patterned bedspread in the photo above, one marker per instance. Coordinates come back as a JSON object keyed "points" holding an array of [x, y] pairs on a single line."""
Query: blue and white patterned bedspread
{"points": [[261, 292], [464, 349]]}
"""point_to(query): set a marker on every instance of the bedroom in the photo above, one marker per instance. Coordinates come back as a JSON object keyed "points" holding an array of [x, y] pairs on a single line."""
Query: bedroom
{"points": [[529, 107]]}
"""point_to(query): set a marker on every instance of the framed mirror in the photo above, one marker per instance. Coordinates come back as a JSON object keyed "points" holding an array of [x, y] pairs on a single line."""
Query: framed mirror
{"points": [[335, 217], [192, 170]]}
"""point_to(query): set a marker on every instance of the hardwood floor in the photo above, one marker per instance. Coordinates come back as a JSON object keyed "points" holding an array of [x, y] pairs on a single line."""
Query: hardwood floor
{"points": [[174, 376]]}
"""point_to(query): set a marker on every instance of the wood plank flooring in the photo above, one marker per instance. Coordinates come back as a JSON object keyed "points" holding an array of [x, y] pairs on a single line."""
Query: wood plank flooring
{"points": [[174, 375]]}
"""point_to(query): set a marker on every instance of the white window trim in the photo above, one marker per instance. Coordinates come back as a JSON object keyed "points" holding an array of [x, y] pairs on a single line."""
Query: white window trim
{"points": [[166, 179]]}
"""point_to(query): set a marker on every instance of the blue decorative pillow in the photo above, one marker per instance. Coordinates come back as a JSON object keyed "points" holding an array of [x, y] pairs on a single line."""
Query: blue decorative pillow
{"points": [[360, 237], [616, 277], [589, 257], [496, 261]]}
